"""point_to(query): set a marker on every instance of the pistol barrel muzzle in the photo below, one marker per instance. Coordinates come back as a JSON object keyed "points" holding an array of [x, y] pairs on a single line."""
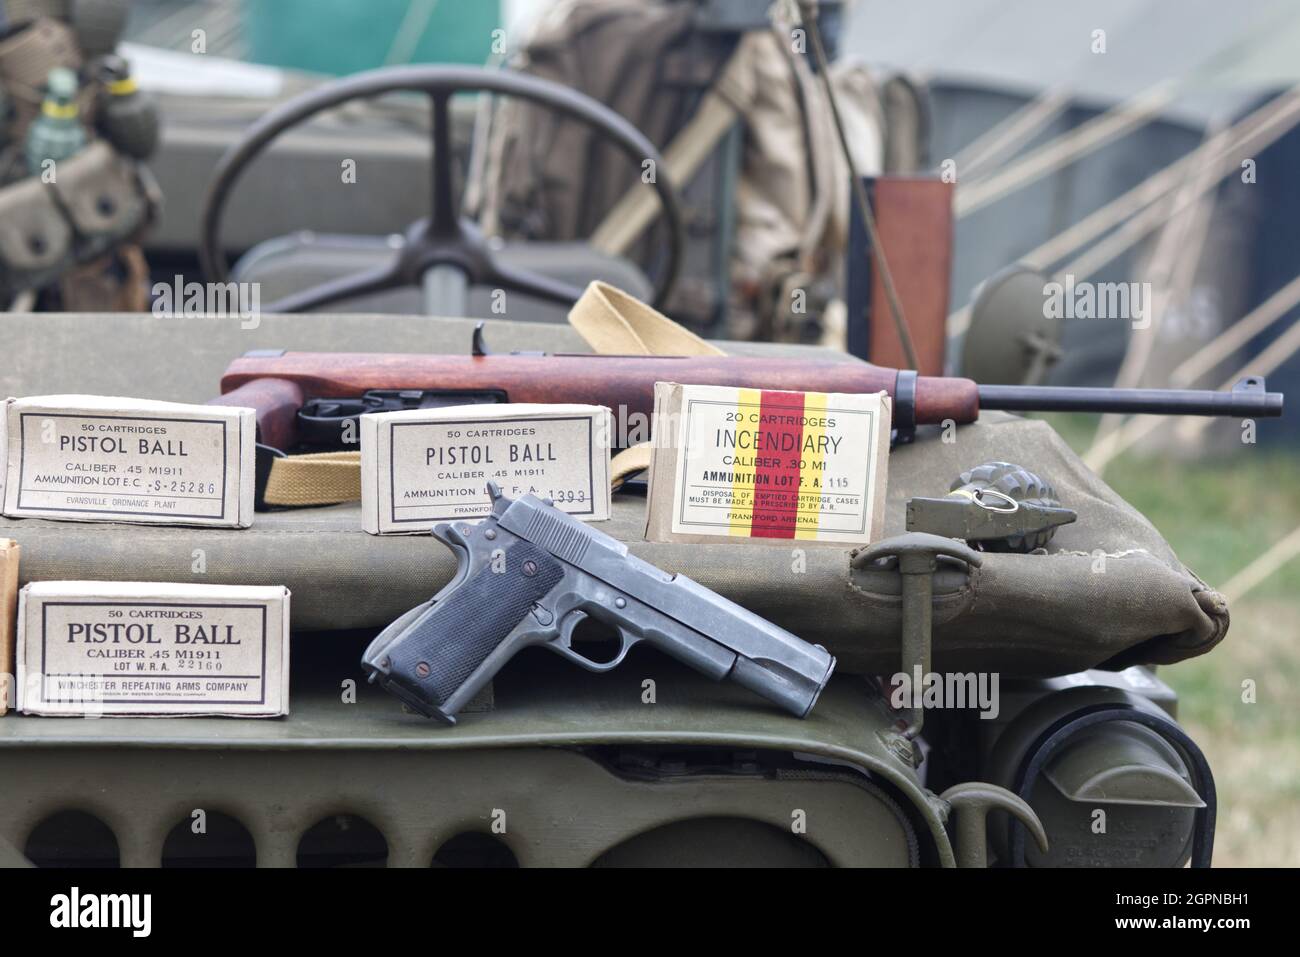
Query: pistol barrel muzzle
{"points": [[795, 691]]}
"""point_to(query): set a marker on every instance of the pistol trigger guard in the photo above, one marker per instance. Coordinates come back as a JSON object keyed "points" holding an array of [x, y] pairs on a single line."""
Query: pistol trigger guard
{"points": [[562, 644]]}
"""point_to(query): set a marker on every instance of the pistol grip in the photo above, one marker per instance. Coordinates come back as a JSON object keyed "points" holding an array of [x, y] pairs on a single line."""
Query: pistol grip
{"points": [[446, 654]]}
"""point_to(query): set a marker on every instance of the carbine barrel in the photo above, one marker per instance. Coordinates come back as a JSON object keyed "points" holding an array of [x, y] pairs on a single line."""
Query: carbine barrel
{"points": [[1247, 400]]}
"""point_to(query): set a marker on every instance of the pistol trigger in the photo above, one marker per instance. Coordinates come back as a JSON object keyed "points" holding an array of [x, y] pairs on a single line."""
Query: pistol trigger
{"points": [[568, 623], [562, 644]]}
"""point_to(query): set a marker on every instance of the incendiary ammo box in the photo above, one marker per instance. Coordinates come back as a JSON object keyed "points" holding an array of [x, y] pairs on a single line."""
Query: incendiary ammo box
{"points": [[141, 649], [745, 465], [106, 459]]}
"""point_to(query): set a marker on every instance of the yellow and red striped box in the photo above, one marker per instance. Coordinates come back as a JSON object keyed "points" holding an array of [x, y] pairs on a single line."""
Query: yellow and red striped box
{"points": [[746, 464]]}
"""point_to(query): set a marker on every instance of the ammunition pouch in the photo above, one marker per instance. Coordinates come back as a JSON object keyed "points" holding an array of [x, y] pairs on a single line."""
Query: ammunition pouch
{"points": [[35, 240], [98, 200]]}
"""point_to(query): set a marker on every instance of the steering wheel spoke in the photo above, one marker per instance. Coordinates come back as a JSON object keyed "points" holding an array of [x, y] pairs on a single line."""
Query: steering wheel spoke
{"points": [[530, 283], [444, 217], [345, 287]]}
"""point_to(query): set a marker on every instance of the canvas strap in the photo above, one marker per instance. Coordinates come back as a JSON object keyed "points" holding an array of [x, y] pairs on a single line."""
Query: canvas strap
{"points": [[614, 323], [320, 478], [611, 322]]}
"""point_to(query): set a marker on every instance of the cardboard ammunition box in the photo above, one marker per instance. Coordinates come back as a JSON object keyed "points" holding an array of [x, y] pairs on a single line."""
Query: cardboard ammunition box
{"points": [[141, 649], [9, 552], [104, 459], [423, 466], [748, 465]]}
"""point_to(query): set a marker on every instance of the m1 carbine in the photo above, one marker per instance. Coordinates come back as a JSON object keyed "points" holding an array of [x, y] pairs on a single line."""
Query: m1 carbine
{"points": [[304, 398]]}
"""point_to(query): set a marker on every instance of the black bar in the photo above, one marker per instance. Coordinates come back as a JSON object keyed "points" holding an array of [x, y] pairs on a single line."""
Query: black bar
{"points": [[1108, 904], [858, 267], [443, 216], [1031, 398]]}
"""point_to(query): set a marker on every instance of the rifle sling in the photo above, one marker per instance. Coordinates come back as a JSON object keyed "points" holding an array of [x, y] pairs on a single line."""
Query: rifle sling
{"points": [[320, 478]]}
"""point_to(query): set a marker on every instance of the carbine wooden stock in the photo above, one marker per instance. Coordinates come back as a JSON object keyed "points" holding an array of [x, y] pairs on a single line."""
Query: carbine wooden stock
{"points": [[277, 386]]}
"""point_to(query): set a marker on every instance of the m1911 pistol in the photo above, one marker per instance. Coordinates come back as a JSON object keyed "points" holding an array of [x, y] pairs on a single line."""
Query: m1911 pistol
{"points": [[529, 574]]}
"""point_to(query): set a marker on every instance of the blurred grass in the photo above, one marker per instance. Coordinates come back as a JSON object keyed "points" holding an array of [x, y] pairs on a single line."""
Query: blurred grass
{"points": [[1219, 515]]}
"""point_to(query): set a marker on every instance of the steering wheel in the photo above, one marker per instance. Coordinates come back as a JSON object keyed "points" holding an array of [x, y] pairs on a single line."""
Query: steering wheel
{"points": [[444, 238]]}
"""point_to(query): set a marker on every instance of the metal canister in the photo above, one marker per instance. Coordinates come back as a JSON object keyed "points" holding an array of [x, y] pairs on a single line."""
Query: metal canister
{"points": [[56, 134], [127, 117]]}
